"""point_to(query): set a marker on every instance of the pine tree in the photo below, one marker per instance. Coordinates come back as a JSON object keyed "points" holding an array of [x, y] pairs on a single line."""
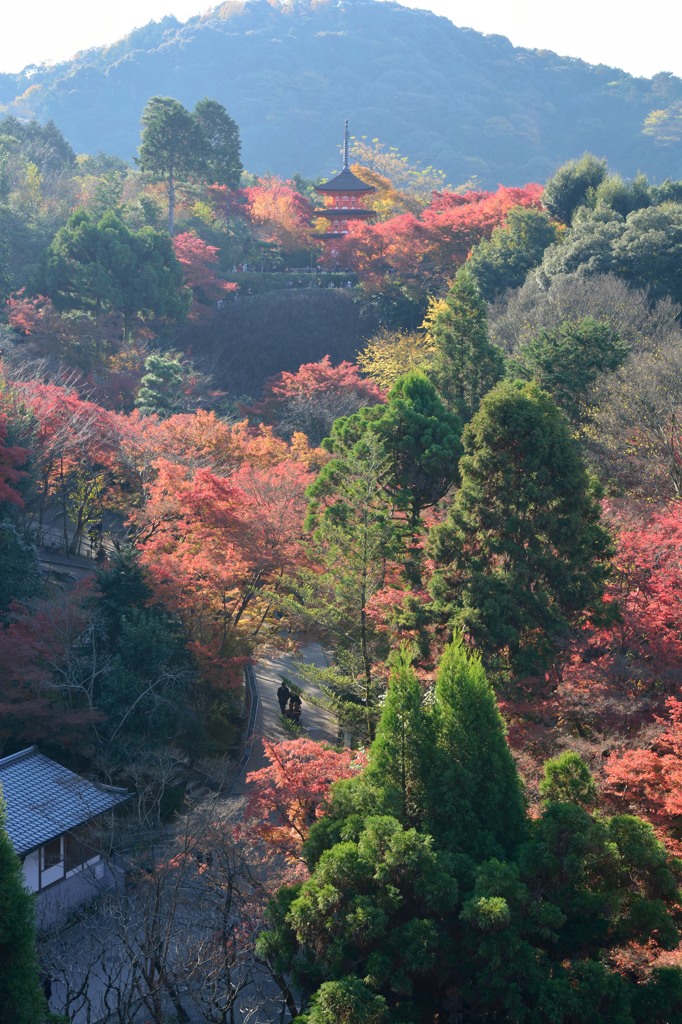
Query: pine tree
{"points": [[21, 997]]}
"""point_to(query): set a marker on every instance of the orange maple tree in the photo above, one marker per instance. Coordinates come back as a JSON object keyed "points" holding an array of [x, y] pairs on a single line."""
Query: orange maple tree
{"points": [[278, 213], [216, 547]]}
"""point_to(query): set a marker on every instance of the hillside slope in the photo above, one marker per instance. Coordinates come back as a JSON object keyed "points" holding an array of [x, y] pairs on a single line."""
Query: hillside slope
{"points": [[289, 73]]}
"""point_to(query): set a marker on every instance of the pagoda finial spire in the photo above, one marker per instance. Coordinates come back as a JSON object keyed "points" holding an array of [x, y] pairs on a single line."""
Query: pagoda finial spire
{"points": [[345, 146]]}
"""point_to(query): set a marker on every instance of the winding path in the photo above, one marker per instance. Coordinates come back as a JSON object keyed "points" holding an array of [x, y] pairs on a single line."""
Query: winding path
{"points": [[263, 679]]}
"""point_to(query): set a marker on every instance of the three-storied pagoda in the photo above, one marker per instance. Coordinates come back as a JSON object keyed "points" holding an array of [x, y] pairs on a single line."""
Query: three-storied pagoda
{"points": [[344, 197]]}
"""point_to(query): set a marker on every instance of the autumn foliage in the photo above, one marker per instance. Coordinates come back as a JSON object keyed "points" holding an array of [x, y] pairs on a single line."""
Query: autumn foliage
{"points": [[278, 212], [650, 779], [198, 261], [433, 244], [311, 399], [289, 794], [11, 458]]}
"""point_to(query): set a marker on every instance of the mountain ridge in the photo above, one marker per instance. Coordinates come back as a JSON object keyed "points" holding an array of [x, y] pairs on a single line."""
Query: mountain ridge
{"points": [[449, 97]]}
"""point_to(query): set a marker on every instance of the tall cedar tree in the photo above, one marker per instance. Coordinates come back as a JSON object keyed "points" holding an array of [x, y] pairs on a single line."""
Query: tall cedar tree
{"points": [[21, 997], [178, 144], [465, 364], [171, 145], [221, 145], [523, 553], [399, 924]]}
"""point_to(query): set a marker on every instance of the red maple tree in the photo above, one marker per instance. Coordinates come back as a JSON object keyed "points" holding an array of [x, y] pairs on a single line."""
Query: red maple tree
{"points": [[310, 399], [11, 458], [199, 260], [432, 245], [286, 797]]}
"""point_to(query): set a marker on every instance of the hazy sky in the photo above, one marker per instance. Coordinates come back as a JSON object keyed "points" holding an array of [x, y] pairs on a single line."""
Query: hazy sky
{"points": [[641, 40]]}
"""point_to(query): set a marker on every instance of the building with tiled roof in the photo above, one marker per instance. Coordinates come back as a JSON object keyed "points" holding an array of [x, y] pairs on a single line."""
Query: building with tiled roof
{"points": [[54, 820]]}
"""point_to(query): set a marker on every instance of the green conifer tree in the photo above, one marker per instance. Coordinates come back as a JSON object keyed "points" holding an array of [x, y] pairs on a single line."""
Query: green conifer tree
{"points": [[465, 364], [21, 996], [475, 798], [418, 925], [161, 387], [523, 553]]}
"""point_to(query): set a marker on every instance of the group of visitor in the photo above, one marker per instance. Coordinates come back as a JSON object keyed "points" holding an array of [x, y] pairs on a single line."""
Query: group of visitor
{"points": [[289, 703]]}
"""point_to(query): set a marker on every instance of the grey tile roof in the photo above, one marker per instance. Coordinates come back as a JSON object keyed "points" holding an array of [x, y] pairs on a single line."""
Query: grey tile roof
{"points": [[43, 800]]}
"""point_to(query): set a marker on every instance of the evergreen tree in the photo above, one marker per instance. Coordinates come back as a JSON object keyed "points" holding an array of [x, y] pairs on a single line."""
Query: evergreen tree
{"points": [[161, 387], [515, 247], [420, 438], [221, 164], [523, 553], [148, 672], [401, 925], [573, 185], [171, 145], [353, 534], [567, 360], [475, 801], [101, 264], [21, 997], [465, 364], [177, 144], [402, 755], [19, 570]]}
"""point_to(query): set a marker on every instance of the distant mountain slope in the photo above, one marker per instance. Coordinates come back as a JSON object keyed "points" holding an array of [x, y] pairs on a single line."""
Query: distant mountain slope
{"points": [[289, 73]]}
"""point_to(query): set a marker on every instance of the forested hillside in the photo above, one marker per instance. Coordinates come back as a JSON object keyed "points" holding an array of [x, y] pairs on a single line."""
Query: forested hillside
{"points": [[448, 449], [289, 73]]}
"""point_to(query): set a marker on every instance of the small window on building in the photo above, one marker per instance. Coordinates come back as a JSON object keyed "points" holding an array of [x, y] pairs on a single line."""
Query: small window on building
{"points": [[52, 854], [345, 201]]}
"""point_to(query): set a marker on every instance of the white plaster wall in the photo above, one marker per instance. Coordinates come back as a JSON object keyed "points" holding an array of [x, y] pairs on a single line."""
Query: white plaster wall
{"points": [[31, 870]]}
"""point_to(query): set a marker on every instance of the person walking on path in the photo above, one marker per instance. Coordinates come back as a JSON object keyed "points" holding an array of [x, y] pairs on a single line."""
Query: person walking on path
{"points": [[283, 694], [294, 712]]}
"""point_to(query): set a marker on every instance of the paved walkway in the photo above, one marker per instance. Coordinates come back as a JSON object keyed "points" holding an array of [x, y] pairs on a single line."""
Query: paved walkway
{"points": [[317, 723]]}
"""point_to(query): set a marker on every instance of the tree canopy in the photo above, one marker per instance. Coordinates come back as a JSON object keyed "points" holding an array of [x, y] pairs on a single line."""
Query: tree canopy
{"points": [[21, 997], [101, 264], [432, 893], [177, 143]]}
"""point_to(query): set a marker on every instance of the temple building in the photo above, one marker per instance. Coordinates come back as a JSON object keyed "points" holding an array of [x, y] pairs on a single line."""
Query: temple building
{"points": [[344, 197]]}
